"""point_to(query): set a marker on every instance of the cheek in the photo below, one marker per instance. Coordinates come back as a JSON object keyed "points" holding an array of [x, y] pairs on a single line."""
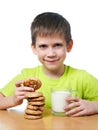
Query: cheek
{"points": [[40, 54], [63, 53]]}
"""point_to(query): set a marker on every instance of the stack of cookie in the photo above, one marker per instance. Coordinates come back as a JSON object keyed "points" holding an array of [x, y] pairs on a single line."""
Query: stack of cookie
{"points": [[36, 100], [35, 106]]}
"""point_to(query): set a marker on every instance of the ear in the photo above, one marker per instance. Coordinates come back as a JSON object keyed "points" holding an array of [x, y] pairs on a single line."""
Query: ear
{"points": [[33, 49], [70, 45]]}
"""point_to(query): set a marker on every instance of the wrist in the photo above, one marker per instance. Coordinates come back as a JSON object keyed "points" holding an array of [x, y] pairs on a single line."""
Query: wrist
{"points": [[95, 103], [16, 101]]}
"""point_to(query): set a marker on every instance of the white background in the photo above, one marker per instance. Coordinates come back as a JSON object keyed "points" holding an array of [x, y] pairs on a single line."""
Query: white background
{"points": [[15, 20]]}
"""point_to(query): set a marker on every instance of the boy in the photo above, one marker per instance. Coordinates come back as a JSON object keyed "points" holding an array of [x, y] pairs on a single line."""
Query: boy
{"points": [[51, 41]]}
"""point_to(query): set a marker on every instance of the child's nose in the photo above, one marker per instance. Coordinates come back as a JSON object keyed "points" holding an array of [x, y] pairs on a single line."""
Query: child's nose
{"points": [[51, 52]]}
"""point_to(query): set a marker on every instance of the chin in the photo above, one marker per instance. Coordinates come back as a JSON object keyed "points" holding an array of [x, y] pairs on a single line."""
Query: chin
{"points": [[52, 67]]}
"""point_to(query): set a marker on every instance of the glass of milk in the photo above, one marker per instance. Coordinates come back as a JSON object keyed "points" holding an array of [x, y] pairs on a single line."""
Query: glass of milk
{"points": [[58, 100]]}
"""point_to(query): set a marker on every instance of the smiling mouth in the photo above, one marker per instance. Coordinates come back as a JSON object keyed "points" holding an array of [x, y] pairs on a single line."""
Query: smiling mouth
{"points": [[51, 61]]}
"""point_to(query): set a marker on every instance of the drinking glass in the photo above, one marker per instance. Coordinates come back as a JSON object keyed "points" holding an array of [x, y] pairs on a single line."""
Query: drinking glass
{"points": [[58, 100]]}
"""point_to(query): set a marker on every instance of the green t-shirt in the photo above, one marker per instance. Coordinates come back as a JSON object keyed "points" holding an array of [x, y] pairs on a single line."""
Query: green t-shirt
{"points": [[78, 80]]}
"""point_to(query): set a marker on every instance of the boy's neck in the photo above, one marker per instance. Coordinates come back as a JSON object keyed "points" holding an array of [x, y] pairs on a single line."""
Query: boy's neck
{"points": [[54, 74]]}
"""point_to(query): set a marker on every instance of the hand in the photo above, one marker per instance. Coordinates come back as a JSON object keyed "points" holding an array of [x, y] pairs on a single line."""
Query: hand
{"points": [[19, 93], [79, 107]]}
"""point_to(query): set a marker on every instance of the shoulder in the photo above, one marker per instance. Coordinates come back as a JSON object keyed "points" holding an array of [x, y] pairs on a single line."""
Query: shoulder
{"points": [[29, 72], [79, 72], [75, 70]]}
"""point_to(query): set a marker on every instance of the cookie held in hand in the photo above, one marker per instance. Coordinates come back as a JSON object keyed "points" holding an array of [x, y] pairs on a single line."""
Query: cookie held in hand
{"points": [[33, 83]]}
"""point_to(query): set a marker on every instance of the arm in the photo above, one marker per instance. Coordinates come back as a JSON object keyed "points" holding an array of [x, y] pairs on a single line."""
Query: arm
{"points": [[80, 107], [6, 102], [83, 107], [16, 99]]}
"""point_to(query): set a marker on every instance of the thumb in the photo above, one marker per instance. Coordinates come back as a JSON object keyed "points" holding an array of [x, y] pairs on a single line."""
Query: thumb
{"points": [[19, 83], [72, 99]]}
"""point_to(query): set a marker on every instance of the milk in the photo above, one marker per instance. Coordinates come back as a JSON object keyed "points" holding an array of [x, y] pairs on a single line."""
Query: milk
{"points": [[58, 100]]}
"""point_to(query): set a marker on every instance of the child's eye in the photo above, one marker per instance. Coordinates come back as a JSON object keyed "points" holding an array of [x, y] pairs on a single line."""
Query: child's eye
{"points": [[42, 46], [58, 45]]}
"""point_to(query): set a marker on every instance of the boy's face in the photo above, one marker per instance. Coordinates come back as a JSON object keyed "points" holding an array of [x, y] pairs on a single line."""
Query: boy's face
{"points": [[51, 51]]}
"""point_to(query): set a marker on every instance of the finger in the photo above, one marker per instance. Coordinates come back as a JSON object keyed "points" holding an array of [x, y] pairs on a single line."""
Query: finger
{"points": [[21, 97], [72, 99], [20, 94], [19, 83], [25, 89], [71, 105], [74, 111], [80, 113]]}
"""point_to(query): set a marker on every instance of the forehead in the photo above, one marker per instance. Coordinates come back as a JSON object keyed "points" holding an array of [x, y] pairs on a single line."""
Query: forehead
{"points": [[50, 38]]}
